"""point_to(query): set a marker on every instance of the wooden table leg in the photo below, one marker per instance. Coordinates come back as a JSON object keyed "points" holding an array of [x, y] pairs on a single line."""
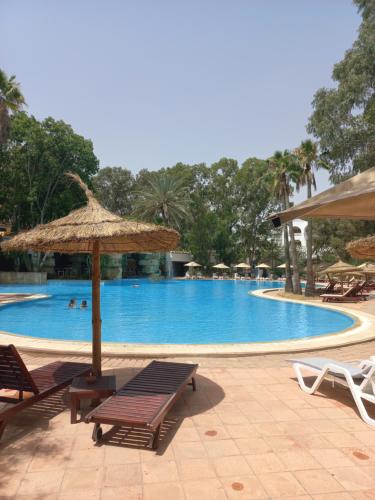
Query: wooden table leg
{"points": [[74, 404]]}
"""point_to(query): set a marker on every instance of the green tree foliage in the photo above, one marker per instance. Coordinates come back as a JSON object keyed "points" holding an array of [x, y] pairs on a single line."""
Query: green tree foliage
{"points": [[163, 198], [285, 172], [114, 187], [309, 160], [34, 188], [331, 236], [344, 117], [253, 205], [11, 101]]}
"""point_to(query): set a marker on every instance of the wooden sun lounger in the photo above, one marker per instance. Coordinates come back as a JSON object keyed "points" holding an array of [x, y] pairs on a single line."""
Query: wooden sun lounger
{"points": [[41, 382], [353, 294], [146, 399]]}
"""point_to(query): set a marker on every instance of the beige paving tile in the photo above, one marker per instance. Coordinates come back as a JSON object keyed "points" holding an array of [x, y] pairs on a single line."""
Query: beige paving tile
{"points": [[86, 479], [204, 489], [366, 437], [331, 457], [9, 486], [221, 448], [159, 472], [265, 462], [277, 443], [244, 487], [333, 496], [343, 439], [184, 451], [318, 481], [363, 495], [360, 456], [213, 433], [163, 491], [186, 434], [122, 475], [231, 466], [77, 495], [124, 493], [51, 496], [41, 483], [280, 484], [242, 431], [355, 478], [86, 458], [255, 445], [117, 455], [297, 459], [196, 468]]}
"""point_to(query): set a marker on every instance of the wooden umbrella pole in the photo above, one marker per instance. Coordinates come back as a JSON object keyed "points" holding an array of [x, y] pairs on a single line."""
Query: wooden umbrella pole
{"points": [[96, 320]]}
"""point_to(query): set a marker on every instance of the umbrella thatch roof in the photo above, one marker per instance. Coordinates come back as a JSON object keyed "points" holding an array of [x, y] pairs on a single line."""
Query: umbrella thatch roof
{"points": [[243, 265], [192, 264], [368, 269], [363, 248], [352, 199], [340, 267], [263, 266], [221, 266], [77, 232]]}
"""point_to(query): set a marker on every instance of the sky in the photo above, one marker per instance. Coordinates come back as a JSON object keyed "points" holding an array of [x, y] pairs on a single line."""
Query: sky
{"points": [[153, 83]]}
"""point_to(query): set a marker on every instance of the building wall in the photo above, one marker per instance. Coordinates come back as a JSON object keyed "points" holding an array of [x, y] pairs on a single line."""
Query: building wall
{"points": [[298, 236]]}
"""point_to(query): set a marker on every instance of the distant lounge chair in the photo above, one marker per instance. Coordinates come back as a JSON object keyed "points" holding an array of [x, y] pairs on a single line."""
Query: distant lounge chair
{"points": [[145, 400], [360, 379], [41, 382], [330, 288], [353, 294]]}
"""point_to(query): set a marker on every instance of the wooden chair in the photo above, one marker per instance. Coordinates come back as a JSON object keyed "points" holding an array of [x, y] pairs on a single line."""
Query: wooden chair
{"points": [[353, 294], [145, 400], [41, 382]]}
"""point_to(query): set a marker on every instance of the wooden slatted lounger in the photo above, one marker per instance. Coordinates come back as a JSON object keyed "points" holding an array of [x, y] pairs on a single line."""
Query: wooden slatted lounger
{"points": [[146, 399], [41, 382]]}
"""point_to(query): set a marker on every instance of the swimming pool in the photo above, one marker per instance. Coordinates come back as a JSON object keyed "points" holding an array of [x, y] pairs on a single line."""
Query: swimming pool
{"points": [[167, 312]]}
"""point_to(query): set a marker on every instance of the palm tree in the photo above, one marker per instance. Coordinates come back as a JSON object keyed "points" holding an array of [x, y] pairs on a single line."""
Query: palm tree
{"points": [[308, 158], [285, 171], [163, 197], [11, 101]]}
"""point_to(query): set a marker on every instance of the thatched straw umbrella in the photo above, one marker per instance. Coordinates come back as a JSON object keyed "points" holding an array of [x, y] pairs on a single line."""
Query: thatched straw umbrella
{"points": [[192, 264], [340, 269], [363, 248], [220, 266], [242, 265], [93, 229]]}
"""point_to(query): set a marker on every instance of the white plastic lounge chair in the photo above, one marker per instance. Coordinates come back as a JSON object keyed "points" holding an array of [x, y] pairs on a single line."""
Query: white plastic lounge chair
{"points": [[360, 379]]}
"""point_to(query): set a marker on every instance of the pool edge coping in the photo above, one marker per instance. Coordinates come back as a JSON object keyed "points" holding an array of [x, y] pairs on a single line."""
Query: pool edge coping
{"points": [[362, 331]]}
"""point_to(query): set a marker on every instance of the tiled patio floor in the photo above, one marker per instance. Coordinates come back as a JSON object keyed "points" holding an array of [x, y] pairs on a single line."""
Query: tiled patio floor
{"points": [[248, 432]]}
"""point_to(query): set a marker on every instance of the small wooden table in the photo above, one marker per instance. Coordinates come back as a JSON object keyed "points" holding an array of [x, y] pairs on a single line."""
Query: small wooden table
{"points": [[103, 387]]}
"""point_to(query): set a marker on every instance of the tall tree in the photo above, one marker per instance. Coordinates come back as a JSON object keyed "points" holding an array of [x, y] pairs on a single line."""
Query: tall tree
{"points": [[308, 157], [163, 198], [34, 188], [254, 203], [285, 171], [11, 101], [114, 187], [344, 116]]}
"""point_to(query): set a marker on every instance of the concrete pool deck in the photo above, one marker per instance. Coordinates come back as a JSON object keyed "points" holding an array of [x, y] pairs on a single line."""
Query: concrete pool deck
{"points": [[362, 331]]}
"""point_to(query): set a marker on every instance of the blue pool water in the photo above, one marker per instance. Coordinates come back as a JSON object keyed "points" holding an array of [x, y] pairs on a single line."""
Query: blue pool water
{"points": [[167, 312]]}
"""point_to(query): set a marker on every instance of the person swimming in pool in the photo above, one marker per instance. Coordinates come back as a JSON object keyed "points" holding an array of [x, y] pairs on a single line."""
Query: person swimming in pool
{"points": [[84, 304], [72, 304]]}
